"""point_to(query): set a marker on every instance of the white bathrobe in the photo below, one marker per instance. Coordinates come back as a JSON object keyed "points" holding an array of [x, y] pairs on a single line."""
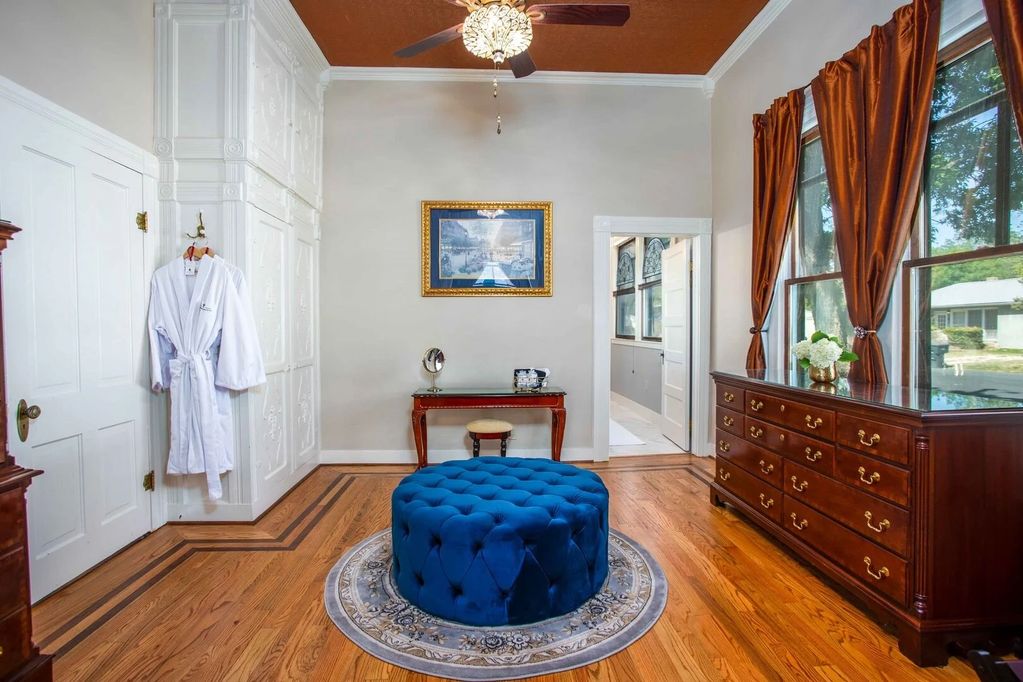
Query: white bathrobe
{"points": [[202, 336]]}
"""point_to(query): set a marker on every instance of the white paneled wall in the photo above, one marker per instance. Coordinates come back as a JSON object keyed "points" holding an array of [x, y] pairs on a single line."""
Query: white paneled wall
{"points": [[239, 136]]}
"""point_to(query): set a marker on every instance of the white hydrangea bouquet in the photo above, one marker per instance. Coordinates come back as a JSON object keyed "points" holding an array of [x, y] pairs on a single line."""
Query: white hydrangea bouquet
{"points": [[820, 353]]}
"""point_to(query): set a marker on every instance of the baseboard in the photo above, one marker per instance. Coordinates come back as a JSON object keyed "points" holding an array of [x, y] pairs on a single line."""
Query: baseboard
{"points": [[206, 511], [409, 456]]}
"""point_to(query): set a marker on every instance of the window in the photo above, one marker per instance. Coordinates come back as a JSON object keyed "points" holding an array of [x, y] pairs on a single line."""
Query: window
{"points": [[625, 291], [651, 287], [964, 282], [816, 298]]}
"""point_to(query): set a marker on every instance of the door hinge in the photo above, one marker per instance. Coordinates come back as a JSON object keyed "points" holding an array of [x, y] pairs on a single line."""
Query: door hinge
{"points": [[149, 481], [142, 221]]}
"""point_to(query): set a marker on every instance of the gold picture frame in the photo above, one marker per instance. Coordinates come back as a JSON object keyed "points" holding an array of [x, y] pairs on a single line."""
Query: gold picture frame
{"points": [[520, 268]]}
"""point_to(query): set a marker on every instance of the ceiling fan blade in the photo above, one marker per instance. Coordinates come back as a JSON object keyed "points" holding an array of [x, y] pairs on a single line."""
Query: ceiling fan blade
{"points": [[579, 14], [445, 36], [522, 65]]}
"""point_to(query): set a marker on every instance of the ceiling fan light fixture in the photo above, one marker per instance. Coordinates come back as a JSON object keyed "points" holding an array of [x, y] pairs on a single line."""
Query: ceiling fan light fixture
{"points": [[497, 31]]}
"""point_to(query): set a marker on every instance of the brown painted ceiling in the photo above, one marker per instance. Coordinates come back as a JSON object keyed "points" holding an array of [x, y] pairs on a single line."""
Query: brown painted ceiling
{"points": [[663, 36]]}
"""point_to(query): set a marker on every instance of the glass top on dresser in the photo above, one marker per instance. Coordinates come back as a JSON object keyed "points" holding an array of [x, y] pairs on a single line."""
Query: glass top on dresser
{"points": [[955, 396], [487, 392]]}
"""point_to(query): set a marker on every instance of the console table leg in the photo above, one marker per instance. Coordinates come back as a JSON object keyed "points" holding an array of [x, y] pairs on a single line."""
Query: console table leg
{"points": [[419, 432], [557, 432]]}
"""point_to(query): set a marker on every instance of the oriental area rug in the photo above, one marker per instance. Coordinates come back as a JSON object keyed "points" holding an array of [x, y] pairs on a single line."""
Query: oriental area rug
{"points": [[363, 602]]}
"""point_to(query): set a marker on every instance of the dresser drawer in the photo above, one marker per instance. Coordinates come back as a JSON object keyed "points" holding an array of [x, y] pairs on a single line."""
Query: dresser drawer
{"points": [[14, 641], [758, 461], [874, 438], [873, 476], [765, 499], [876, 520], [12, 517], [14, 586], [730, 396], [730, 421], [816, 454], [799, 416], [877, 568]]}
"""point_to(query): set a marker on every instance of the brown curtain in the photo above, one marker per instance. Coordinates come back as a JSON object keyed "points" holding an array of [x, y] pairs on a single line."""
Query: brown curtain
{"points": [[874, 106], [776, 137], [1006, 19]]}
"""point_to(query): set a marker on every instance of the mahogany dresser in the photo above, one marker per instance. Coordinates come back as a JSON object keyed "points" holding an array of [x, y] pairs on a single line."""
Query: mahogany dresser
{"points": [[19, 657], [911, 500]]}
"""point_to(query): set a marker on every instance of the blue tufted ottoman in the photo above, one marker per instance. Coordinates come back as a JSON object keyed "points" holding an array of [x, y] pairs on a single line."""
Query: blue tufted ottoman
{"points": [[499, 541]]}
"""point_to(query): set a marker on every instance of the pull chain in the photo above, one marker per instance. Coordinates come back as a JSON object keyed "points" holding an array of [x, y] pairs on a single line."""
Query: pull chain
{"points": [[496, 102]]}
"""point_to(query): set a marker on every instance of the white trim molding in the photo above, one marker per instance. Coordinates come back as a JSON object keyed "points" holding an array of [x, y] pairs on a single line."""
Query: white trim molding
{"points": [[425, 75], [699, 229], [746, 39]]}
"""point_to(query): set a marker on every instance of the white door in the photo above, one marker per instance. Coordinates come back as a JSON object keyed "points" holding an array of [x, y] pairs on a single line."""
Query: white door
{"points": [[74, 313], [676, 328]]}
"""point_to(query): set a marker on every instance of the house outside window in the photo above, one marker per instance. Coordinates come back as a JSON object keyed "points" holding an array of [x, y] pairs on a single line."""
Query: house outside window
{"points": [[651, 287], [637, 294]]}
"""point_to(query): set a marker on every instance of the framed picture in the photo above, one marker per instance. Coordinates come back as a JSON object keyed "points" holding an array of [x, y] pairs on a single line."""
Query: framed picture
{"points": [[487, 248]]}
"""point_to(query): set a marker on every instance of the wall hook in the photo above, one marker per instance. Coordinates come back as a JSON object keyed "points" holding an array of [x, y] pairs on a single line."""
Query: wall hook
{"points": [[200, 230]]}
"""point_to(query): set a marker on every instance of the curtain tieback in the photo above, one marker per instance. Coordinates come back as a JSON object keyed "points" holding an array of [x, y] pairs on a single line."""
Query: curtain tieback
{"points": [[755, 330], [862, 332]]}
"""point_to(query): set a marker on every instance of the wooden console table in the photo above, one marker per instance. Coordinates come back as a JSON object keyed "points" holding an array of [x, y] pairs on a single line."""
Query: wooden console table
{"points": [[425, 400]]}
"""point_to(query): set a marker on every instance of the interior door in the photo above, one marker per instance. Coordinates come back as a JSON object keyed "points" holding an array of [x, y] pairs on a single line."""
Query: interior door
{"points": [[676, 330], [74, 313]]}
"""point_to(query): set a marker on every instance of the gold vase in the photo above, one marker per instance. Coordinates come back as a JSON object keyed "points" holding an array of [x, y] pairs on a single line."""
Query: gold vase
{"points": [[826, 375]]}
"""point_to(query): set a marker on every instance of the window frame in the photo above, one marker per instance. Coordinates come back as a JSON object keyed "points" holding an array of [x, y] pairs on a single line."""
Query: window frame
{"points": [[626, 290], [641, 289], [794, 280], [919, 238]]}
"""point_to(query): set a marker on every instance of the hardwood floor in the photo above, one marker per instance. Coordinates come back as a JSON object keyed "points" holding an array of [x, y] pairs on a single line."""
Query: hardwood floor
{"points": [[245, 602]]}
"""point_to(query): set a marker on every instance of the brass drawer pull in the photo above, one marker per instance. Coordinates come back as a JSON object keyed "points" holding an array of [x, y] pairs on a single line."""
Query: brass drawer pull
{"points": [[881, 574], [768, 504], [879, 528], [729, 397], [796, 485], [728, 421], [724, 446], [874, 440], [756, 405], [755, 432], [765, 467], [813, 423], [813, 456], [874, 477], [723, 475], [800, 525]]}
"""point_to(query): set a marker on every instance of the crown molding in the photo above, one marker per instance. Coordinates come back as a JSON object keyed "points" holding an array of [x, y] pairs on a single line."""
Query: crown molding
{"points": [[424, 75], [749, 35]]}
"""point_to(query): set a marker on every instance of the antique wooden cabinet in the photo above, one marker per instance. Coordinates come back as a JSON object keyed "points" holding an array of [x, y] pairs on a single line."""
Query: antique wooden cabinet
{"points": [[910, 499], [19, 657]]}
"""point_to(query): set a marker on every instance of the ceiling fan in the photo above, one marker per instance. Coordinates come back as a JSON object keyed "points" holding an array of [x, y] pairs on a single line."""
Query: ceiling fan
{"points": [[502, 30]]}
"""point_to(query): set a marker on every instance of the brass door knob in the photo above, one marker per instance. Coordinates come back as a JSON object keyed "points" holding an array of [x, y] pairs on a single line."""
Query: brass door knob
{"points": [[26, 413]]}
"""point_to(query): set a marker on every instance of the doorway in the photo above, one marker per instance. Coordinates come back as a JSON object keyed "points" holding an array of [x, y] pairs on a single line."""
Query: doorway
{"points": [[74, 314], [651, 384], [650, 359]]}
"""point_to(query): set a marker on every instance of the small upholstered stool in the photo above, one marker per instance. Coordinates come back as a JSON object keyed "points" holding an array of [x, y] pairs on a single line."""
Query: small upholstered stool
{"points": [[489, 429], [493, 541]]}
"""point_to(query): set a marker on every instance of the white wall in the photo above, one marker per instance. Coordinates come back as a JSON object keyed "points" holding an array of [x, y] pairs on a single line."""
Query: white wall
{"points": [[92, 57], [806, 35], [592, 150]]}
